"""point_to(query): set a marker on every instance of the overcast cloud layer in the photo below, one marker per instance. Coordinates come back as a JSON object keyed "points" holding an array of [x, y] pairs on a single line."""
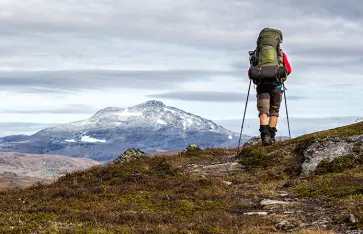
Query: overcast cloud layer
{"points": [[56, 56], [209, 96]]}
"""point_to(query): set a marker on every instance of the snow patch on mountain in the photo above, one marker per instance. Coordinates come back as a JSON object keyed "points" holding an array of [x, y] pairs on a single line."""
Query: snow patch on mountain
{"points": [[184, 125], [71, 140], [126, 113], [171, 110], [91, 140], [160, 121]]}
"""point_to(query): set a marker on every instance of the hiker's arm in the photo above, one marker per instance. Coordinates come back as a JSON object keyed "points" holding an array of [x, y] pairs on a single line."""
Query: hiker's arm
{"points": [[287, 64]]}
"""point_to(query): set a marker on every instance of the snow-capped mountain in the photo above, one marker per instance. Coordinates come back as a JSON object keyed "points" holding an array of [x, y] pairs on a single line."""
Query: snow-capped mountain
{"points": [[150, 126]]}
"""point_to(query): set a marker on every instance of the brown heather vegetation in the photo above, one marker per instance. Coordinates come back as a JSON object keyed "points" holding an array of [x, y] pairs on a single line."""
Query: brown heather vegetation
{"points": [[164, 195]]}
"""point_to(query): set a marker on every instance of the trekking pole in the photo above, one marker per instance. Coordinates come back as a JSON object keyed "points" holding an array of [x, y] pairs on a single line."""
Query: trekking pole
{"points": [[287, 113], [244, 115]]}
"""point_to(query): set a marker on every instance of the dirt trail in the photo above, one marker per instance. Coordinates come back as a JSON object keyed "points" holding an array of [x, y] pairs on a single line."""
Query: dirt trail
{"points": [[294, 213]]}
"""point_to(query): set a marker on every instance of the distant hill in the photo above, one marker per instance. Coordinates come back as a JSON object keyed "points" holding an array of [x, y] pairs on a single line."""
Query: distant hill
{"points": [[23, 170], [41, 165], [150, 126]]}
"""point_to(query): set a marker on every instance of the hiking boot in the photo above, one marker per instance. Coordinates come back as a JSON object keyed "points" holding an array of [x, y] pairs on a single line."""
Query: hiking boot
{"points": [[266, 140], [273, 134], [265, 135]]}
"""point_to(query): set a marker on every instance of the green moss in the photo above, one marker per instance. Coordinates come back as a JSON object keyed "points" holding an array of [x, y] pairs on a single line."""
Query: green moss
{"points": [[165, 167], [331, 186], [339, 164], [193, 151], [25, 223], [253, 157], [303, 141], [357, 147]]}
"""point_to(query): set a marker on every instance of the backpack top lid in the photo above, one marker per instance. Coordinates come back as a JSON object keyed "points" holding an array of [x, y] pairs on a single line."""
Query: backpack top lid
{"points": [[270, 32]]}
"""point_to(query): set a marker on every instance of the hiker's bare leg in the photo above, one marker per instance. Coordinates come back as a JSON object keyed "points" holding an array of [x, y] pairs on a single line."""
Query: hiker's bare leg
{"points": [[263, 119], [273, 121]]}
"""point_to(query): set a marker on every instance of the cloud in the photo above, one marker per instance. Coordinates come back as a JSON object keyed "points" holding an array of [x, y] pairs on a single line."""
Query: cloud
{"points": [[299, 126], [71, 109], [114, 33], [27, 128], [97, 79], [348, 9], [204, 96], [228, 24], [63, 52], [210, 96]]}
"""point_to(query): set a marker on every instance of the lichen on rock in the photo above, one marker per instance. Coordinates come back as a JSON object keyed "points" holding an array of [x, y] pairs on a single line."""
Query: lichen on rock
{"points": [[192, 149], [327, 151]]}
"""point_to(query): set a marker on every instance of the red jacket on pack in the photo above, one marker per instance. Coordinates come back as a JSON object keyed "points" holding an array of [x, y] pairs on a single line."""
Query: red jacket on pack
{"points": [[286, 63]]}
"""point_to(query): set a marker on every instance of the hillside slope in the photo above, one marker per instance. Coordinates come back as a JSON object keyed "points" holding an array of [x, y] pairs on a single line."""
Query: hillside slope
{"points": [[261, 190]]}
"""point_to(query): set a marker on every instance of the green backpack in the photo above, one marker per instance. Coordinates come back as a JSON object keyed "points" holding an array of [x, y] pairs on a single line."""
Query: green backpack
{"points": [[266, 60]]}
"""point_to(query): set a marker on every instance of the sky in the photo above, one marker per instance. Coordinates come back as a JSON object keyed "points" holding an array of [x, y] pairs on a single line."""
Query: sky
{"points": [[62, 61]]}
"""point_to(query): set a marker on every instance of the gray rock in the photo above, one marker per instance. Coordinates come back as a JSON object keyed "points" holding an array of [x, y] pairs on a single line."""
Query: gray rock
{"points": [[224, 167], [352, 218], [252, 142], [329, 149], [227, 182], [262, 213], [268, 202], [289, 212], [129, 155], [285, 225]]}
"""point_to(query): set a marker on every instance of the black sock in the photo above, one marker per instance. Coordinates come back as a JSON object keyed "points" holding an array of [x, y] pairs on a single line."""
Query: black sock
{"points": [[273, 131], [264, 126], [265, 129]]}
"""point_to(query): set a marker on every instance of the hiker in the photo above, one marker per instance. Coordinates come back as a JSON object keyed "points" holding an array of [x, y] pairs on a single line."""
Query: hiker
{"points": [[269, 70]]}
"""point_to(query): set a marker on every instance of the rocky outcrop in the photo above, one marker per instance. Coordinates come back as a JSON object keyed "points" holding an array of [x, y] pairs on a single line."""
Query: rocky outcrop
{"points": [[329, 150], [192, 149], [256, 140], [129, 155]]}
